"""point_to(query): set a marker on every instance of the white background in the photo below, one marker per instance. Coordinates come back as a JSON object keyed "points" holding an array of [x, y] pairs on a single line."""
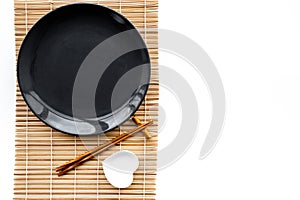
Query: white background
{"points": [[255, 46]]}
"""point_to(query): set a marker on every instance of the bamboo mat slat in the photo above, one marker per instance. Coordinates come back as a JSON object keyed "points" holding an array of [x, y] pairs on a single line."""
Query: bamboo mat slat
{"points": [[39, 149]]}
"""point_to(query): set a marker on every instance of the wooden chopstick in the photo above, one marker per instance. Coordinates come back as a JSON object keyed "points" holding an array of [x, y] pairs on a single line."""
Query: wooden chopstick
{"points": [[82, 156], [79, 161], [63, 166], [63, 169]]}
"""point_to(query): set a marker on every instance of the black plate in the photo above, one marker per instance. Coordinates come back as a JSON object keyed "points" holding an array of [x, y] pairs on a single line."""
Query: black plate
{"points": [[83, 69]]}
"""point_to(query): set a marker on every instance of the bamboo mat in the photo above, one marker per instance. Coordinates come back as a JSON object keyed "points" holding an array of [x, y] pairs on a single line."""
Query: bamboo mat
{"points": [[39, 149]]}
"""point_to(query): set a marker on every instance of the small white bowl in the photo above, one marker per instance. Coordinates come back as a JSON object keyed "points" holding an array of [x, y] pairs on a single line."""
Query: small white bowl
{"points": [[120, 167]]}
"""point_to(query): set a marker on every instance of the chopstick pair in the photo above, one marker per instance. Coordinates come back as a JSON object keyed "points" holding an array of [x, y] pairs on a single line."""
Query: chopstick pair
{"points": [[64, 168]]}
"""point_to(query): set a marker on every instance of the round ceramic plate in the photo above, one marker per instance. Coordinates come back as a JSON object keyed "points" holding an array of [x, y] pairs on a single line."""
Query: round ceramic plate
{"points": [[83, 69]]}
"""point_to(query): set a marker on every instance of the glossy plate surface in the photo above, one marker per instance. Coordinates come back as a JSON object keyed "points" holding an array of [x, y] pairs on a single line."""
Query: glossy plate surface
{"points": [[83, 69]]}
